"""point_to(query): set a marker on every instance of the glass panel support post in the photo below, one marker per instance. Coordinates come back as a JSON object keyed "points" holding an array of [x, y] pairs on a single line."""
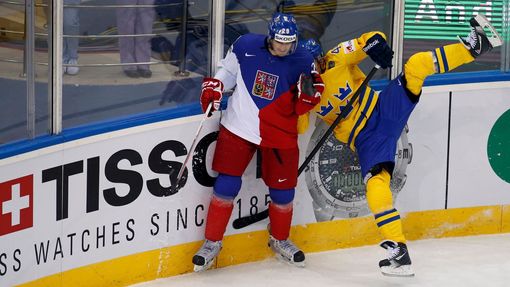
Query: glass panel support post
{"points": [[505, 49], [217, 24], [29, 66], [397, 37], [55, 93], [184, 32]]}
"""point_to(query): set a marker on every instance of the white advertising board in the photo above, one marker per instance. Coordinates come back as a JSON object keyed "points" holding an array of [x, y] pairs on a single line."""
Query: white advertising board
{"points": [[109, 195]]}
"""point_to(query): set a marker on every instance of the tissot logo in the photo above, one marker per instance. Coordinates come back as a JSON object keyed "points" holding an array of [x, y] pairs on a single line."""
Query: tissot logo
{"points": [[117, 169], [16, 208]]}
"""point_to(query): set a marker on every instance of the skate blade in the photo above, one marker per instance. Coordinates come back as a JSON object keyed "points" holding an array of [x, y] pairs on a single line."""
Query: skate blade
{"points": [[493, 37], [401, 271], [202, 268], [286, 260]]}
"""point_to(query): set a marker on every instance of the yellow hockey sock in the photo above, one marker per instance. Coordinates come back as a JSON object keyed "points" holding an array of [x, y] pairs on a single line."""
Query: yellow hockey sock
{"points": [[380, 202], [451, 56], [441, 60]]}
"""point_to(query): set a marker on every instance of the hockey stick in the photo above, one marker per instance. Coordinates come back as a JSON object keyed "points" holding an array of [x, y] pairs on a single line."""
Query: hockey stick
{"points": [[345, 111], [183, 166], [248, 220]]}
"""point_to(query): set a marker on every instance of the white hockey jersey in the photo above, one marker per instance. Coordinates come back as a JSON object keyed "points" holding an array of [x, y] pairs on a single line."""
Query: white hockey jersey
{"points": [[261, 109]]}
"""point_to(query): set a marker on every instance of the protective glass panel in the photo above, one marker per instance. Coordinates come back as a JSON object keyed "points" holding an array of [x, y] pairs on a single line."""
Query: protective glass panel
{"points": [[13, 74], [187, 53], [329, 21], [431, 24], [124, 57]]}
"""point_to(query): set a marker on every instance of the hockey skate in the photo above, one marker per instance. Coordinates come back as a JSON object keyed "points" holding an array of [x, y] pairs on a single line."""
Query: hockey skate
{"points": [[483, 36], [398, 262], [204, 258], [287, 251]]}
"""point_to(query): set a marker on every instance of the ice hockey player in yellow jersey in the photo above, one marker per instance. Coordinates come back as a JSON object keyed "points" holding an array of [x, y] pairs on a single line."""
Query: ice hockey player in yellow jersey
{"points": [[373, 127]]}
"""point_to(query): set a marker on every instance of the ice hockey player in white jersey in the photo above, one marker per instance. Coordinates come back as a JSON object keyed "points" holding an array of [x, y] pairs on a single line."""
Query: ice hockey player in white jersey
{"points": [[274, 83]]}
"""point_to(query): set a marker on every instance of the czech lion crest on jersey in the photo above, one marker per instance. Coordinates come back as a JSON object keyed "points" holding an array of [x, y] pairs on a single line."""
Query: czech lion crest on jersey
{"points": [[264, 85]]}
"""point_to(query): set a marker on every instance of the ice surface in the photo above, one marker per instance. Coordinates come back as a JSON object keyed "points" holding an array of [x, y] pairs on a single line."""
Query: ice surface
{"points": [[461, 261]]}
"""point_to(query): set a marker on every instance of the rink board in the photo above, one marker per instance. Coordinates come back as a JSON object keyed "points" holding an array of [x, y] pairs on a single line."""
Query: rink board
{"points": [[98, 211]]}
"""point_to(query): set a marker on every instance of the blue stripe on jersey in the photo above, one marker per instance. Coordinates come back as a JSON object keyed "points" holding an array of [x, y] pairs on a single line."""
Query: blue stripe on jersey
{"points": [[363, 114], [445, 60], [386, 221], [384, 213]]}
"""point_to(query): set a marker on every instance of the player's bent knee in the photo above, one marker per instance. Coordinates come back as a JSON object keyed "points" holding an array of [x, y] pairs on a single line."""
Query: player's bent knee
{"points": [[282, 196], [420, 65], [227, 186]]}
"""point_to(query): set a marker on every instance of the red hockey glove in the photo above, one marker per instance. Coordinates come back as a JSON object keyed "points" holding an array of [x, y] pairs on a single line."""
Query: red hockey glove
{"points": [[212, 90], [309, 91], [318, 84]]}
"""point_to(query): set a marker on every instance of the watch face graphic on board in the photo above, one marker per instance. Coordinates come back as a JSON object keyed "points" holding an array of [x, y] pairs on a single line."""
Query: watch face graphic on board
{"points": [[334, 178]]}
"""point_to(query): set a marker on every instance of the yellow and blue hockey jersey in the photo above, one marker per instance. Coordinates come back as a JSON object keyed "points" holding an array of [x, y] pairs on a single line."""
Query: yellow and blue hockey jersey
{"points": [[342, 77]]}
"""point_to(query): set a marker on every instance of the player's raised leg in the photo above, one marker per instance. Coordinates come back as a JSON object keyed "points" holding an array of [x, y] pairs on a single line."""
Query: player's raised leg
{"points": [[483, 36]]}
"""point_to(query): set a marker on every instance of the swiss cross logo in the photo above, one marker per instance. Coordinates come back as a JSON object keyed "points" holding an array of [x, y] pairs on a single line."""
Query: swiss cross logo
{"points": [[264, 85], [16, 204]]}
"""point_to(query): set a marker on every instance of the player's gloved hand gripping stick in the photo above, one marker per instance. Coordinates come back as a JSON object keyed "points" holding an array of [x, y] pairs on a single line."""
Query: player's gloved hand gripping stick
{"points": [[212, 92], [210, 99], [247, 220]]}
